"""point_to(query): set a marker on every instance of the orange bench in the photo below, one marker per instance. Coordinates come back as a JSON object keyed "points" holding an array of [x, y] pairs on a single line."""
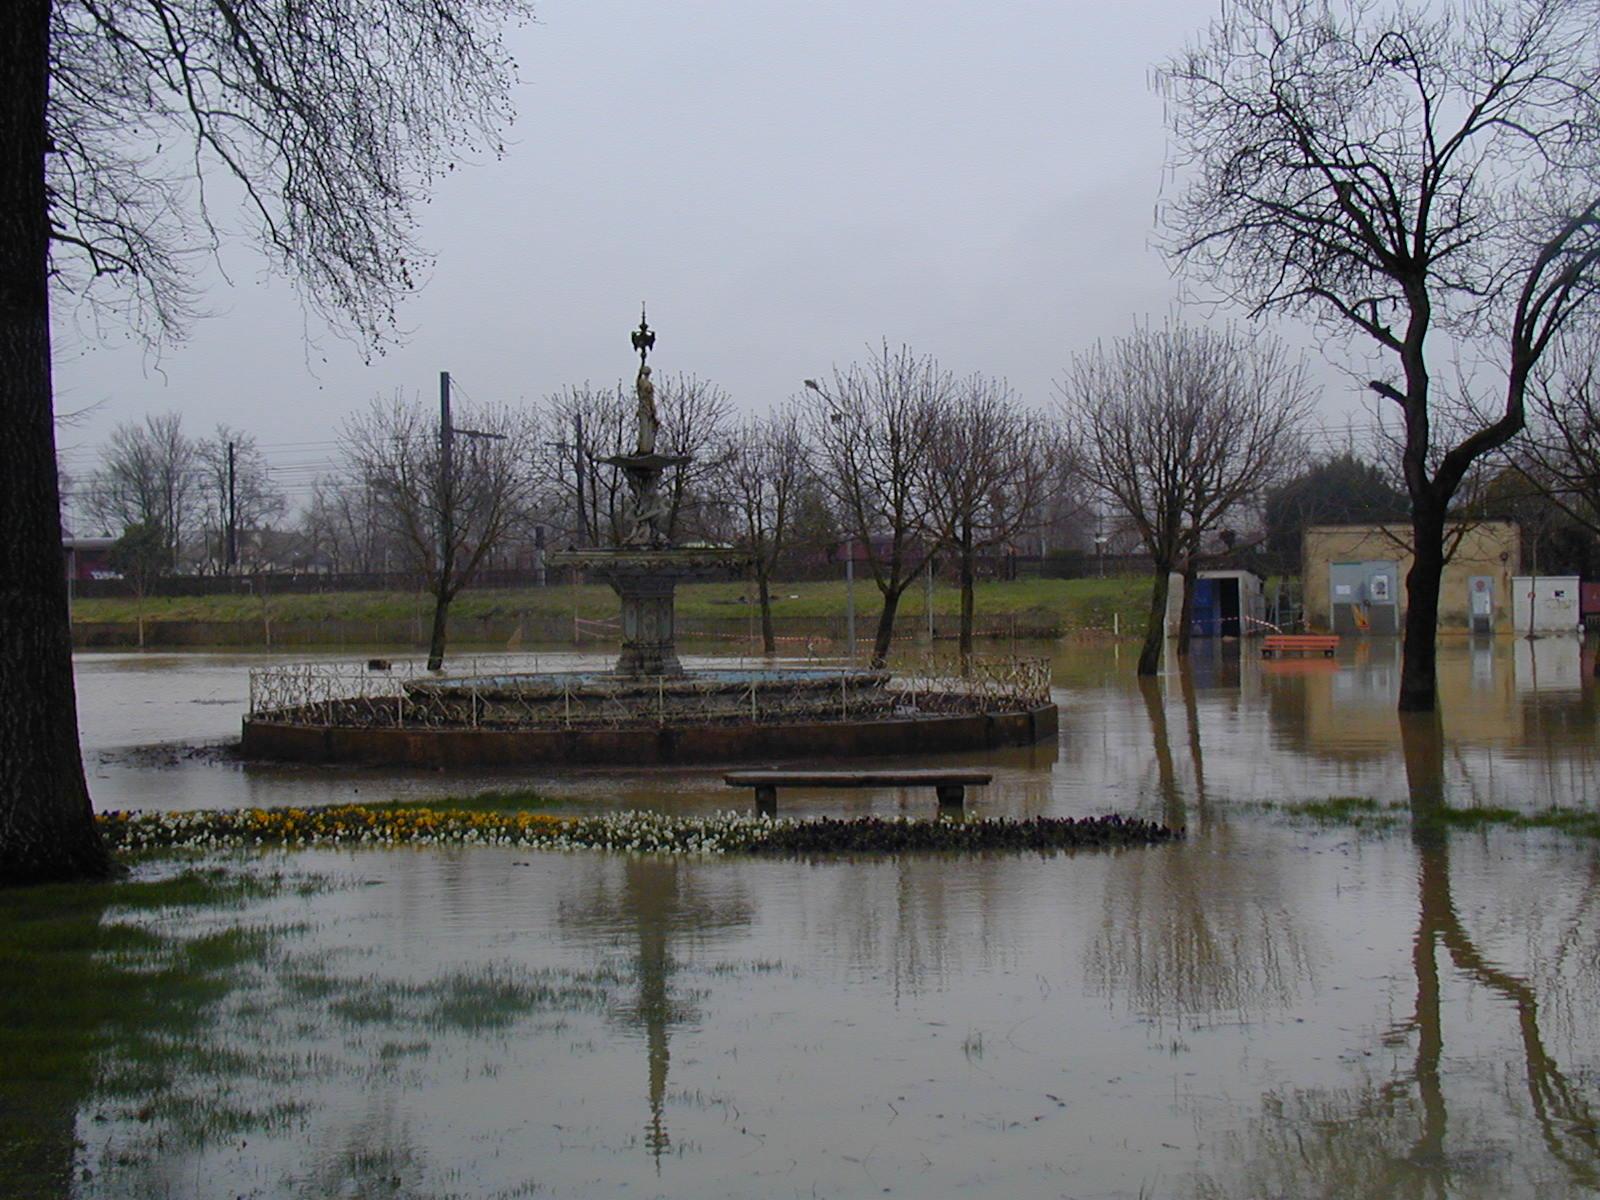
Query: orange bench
{"points": [[1306, 643]]}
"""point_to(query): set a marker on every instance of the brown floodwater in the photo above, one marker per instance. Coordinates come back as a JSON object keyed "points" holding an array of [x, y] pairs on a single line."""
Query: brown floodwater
{"points": [[1272, 1008]]}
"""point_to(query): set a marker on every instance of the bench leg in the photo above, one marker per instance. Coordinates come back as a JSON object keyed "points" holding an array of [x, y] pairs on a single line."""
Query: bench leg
{"points": [[952, 797], [767, 800]]}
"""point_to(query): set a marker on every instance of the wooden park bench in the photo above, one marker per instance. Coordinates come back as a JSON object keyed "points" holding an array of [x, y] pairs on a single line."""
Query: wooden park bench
{"points": [[950, 786], [1304, 643]]}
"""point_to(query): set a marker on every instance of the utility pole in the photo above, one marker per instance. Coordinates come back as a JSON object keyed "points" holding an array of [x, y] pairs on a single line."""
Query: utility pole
{"points": [[231, 552], [577, 472], [447, 449]]}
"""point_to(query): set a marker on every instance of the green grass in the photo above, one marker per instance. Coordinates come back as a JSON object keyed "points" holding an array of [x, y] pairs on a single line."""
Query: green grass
{"points": [[104, 992], [1364, 812], [1562, 820], [1064, 604]]}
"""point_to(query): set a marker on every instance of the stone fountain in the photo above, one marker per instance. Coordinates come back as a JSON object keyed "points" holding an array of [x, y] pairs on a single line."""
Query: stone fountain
{"points": [[647, 709], [644, 568]]}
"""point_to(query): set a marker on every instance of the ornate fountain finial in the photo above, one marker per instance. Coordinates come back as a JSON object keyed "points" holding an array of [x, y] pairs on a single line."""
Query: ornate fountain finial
{"points": [[644, 338]]}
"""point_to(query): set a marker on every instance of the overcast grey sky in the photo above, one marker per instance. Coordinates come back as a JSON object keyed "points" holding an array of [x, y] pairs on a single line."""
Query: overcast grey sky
{"points": [[783, 183]]}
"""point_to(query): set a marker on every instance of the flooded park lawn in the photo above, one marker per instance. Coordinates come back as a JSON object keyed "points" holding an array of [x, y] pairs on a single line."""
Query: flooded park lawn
{"points": [[1327, 989]]}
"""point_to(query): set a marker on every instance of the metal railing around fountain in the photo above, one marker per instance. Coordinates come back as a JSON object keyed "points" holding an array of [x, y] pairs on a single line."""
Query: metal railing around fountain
{"points": [[514, 692]]}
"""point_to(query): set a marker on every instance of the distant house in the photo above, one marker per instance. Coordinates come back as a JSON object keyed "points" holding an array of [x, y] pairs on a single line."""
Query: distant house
{"points": [[88, 558], [1353, 577]]}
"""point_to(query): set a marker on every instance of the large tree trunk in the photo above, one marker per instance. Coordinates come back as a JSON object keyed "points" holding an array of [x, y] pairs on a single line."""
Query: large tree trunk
{"points": [[441, 614], [769, 638], [1418, 676], [1155, 633], [885, 635], [47, 829]]}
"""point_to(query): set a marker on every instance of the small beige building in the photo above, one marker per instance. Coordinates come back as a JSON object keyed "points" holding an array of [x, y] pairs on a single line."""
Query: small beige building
{"points": [[1353, 577]]}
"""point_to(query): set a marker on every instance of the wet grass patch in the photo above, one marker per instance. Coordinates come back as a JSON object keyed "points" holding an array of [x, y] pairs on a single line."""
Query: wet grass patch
{"points": [[105, 993], [1562, 820], [1363, 812], [1359, 811], [476, 1001]]}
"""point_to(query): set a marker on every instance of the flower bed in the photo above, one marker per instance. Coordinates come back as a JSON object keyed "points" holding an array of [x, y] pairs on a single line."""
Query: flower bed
{"points": [[629, 832]]}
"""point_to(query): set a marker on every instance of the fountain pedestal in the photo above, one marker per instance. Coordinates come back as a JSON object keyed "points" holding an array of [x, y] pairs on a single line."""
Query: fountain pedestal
{"points": [[645, 582]]}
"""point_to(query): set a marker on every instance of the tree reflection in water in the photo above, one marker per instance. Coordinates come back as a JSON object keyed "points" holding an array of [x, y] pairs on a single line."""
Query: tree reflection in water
{"points": [[1471, 1123], [1180, 939]]}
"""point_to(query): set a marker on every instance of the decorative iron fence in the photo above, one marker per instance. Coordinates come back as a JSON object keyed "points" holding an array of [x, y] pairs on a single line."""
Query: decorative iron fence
{"points": [[511, 692]]}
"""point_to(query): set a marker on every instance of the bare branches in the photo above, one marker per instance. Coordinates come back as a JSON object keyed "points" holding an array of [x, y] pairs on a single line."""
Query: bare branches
{"points": [[762, 469], [874, 426], [447, 516], [149, 479], [695, 417], [991, 468], [245, 503], [1179, 426], [327, 123], [1407, 174], [1560, 454]]}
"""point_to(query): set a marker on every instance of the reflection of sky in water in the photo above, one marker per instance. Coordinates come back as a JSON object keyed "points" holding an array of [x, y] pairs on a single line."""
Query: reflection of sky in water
{"points": [[1264, 1010]]}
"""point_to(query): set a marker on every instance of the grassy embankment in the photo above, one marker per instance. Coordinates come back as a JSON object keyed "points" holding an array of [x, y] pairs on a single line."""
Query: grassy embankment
{"points": [[1025, 608]]}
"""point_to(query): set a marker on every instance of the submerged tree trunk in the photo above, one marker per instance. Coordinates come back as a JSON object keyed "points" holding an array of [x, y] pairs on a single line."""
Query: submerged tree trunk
{"points": [[1418, 665], [1191, 573], [47, 829], [441, 614], [885, 635], [1155, 633], [769, 638]]}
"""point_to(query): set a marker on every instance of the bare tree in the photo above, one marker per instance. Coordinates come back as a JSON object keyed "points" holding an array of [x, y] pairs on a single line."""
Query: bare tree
{"points": [[588, 425], [236, 493], [874, 431], [148, 478], [695, 416], [116, 118], [1425, 179], [762, 470], [1178, 426], [446, 515], [989, 472], [593, 424], [342, 523], [1560, 454]]}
